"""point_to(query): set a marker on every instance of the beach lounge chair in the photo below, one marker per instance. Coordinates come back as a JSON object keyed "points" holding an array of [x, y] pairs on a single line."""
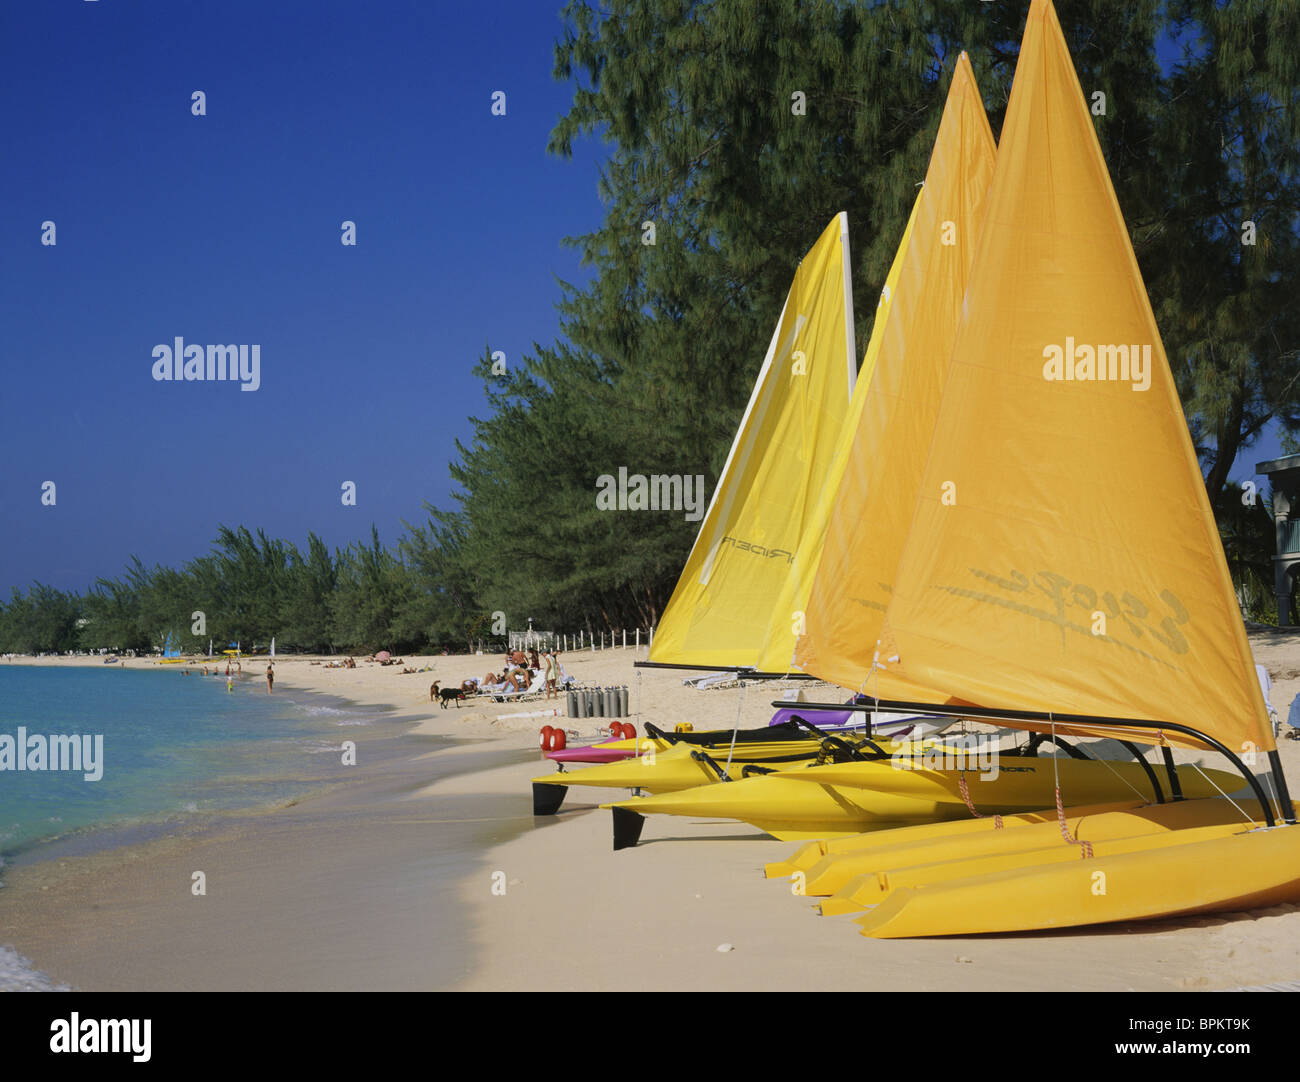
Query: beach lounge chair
{"points": [[1266, 686], [508, 695], [712, 681]]}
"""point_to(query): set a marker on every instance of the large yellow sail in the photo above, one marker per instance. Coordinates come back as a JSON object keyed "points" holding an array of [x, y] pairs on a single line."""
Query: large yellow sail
{"points": [[875, 497], [723, 610], [1062, 554]]}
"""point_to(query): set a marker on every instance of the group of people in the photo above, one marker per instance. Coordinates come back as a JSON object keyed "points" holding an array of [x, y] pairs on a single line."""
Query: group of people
{"points": [[238, 670], [520, 670]]}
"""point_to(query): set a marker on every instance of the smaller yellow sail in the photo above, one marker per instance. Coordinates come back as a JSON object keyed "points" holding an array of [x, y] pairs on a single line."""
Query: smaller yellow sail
{"points": [[895, 421], [1062, 554], [724, 610], [777, 650]]}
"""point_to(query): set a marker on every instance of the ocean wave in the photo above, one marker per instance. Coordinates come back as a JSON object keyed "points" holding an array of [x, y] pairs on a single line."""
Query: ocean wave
{"points": [[18, 975]]}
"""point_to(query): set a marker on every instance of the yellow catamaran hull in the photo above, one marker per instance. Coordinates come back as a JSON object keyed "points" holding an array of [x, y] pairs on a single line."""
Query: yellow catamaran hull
{"points": [[668, 768], [1182, 875], [851, 798], [826, 868]]}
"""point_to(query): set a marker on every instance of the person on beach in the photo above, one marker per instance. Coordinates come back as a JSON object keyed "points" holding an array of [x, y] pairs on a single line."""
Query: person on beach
{"points": [[270, 678], [552, 675], [230, 684], [533, 663]]}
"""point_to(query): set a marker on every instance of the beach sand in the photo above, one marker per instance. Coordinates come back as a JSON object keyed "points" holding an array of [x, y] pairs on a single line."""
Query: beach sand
{"points": [[427, 870]]}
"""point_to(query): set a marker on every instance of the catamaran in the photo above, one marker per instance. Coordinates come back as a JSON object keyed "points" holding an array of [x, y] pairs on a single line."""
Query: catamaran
{"points": [[1076, 584], [731, 607]]}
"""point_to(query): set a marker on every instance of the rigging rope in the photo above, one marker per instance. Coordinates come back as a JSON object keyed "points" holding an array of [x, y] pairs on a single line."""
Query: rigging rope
{"points": [[1085, 848], [1197, 768], [965, 795], [740, 706]]}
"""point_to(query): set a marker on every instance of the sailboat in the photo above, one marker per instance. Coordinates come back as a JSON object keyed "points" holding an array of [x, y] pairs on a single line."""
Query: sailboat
{"points": [[911, 336], [863, 546], [726, 610], [759, 535], [1073, 580], [171, 654], [781, 445]]}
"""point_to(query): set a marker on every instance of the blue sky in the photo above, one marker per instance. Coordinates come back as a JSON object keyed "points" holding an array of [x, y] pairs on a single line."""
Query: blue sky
{"points": [[225, 228]]}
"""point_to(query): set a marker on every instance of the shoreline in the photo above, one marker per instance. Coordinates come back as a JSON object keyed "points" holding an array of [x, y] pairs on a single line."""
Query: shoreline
{"points": [[358, 870], [53, 885]]}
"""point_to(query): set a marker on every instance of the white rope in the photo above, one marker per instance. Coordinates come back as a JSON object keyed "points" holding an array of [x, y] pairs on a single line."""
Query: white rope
{"points": [[740, 706], [1137, 792], [1197, 768]]}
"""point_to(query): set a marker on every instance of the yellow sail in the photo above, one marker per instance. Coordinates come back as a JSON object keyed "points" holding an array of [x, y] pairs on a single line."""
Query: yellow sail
{"points": [[723, 611], [1062, 555], [873, 505], [791, 602]]}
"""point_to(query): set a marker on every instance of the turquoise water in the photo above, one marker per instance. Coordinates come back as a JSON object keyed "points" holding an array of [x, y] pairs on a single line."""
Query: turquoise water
{"points": [[174, 746]]}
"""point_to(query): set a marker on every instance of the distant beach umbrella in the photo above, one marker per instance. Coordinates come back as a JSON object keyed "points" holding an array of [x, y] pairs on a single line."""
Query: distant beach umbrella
{"points": [[383, 655]]}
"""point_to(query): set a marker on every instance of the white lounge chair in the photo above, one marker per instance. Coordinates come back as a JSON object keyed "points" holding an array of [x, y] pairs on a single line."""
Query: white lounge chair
{"points": [[537, 687]]}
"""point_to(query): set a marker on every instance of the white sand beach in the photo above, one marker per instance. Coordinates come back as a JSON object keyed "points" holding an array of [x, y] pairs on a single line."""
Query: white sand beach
{"points": [[388, 882]]}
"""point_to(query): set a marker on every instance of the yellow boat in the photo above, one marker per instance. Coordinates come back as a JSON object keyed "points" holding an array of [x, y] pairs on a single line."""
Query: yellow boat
{"points": [[850, 798], [664, 767], [810, 855], [1034, 577], [863, 878], [1193, 871]]}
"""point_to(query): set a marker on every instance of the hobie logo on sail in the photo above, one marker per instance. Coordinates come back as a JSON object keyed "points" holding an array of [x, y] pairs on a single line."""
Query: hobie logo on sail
{"points": [[1112, 364], [658, 492], [758, 550], [976, 752]]}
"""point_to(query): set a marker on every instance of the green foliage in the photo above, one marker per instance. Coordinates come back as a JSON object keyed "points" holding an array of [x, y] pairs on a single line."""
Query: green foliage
{"points": [[1249, 542], [43, 620]]}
